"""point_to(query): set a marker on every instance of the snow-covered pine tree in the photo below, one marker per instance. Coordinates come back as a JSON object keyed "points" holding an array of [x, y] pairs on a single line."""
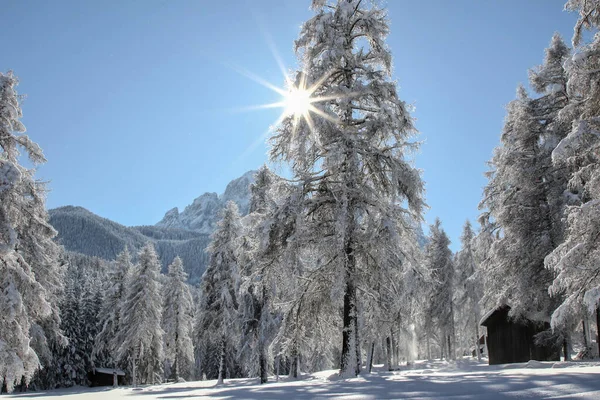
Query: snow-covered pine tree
{"points": [[71, 359], [517, 200], [468, 292], [350, 154], [141, 333], [575, 261], [219, 303], [178, 322], [525, 194], [258, 256], [309, 319], [439, 261], [91, 297], [25, 239], [108, 339]]}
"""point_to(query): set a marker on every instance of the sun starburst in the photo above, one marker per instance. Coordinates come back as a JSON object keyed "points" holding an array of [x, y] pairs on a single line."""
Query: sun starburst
{"points": [[298, 99]]}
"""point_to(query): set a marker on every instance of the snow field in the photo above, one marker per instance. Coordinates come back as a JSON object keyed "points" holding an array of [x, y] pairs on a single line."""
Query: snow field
{"points": [[464, 379]]}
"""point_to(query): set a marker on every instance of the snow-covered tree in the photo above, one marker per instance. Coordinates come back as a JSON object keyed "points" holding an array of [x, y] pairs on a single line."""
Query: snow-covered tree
{"points": [[575, 261], [439, 262], [30, 275], [519, 204], [258, 256], [178, 322], [219, 302], [108, 339], [141, 334], [349, 151], [72, 360], [468, 292], [589, 17]]}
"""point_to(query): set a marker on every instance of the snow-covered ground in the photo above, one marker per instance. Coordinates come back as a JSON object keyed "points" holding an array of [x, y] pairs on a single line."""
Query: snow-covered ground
{"points": [[464, 379]]}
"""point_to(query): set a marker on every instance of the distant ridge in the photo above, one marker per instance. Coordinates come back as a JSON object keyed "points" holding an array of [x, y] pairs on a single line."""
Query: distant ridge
{"points": [[184, 234]]}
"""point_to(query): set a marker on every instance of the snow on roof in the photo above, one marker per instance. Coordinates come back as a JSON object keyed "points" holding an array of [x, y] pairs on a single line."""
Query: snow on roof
{"points": [[109, 371], [488, 314]]}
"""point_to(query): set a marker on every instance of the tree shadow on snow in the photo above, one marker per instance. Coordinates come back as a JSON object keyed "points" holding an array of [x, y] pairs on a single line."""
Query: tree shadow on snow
{"points": [[60, 392], [390, 385]]}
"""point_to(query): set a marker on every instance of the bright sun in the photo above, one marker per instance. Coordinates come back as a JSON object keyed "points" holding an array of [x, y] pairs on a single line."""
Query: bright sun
{"points": [[297, 102]]}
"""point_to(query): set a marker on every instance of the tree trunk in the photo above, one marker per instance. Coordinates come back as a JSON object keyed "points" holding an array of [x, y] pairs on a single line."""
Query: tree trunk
{"points": [[477, 345], [262, 359], [598, 329], [452, 335], [394, 351], [133, 373], [442, 344], [388, 348], [175, 372], [485, 348], [585, 336], [221, 363], [428, 346], [350, 363], [371, 354], [294, 361]]}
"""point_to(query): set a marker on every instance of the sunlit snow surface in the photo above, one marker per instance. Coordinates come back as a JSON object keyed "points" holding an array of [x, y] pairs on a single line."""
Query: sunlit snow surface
{"points": [[464, 379]]}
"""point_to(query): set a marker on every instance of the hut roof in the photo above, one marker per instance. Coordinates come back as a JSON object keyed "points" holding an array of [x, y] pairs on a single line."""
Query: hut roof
{"points": [[490, 315], [109, 371]]}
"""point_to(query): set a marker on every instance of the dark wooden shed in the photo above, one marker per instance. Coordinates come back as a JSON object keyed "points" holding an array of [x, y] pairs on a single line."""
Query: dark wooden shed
{"points": [[511, 341], [105, 376]]}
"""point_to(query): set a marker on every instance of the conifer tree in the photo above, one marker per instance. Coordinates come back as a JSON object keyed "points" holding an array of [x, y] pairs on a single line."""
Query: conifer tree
{"points": [[259, 257], [72, 358], [178, 322], [518, 203], [141, 333], [219, 301], [349, 149], [575, 261], [108, 339], [439, 261], [468, 289], [29, 270]]}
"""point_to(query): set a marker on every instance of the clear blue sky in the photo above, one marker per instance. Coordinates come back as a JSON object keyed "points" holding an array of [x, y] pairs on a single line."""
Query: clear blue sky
{"points": [[134, 104]]}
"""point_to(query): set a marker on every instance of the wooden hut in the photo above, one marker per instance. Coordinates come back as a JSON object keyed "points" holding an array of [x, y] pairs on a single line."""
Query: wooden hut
{"points": [[105, 376], [512, 341]]}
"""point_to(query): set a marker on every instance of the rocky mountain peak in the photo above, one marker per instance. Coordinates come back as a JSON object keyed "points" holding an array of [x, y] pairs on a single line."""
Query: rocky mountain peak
{"points": [[202, 215]]}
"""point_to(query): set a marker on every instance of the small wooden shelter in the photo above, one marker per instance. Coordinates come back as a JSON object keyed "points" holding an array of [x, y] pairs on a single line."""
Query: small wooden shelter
{"points": [[106, 376], [512, 341]]}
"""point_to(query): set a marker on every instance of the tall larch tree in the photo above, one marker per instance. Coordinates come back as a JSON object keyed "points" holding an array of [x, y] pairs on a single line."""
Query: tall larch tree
{"points": [[178, 322], [141, 333], [575, 261], [219, 302], [517, 203], [29, 268], [350, 148]]}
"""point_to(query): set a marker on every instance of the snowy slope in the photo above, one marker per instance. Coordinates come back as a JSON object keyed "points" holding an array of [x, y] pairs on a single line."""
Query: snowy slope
{"points": [[183, 234], [81, 231], [427, 380]]}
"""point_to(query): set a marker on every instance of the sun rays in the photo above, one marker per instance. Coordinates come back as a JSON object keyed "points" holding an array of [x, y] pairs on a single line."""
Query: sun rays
{"points": [[304, 100]]}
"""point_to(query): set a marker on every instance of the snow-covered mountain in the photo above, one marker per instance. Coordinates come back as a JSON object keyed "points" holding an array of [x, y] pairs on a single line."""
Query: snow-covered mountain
{"points": [[184, 234], [202, 215]]}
